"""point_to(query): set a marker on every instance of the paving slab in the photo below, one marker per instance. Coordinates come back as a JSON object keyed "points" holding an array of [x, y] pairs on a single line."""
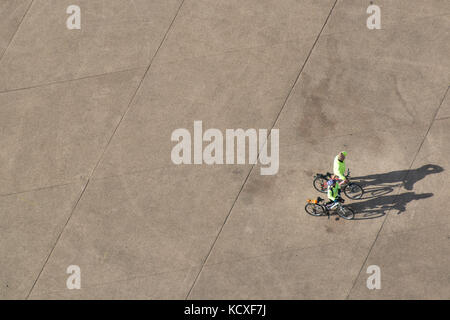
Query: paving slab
{"points": [[55, 134], [115, 35], [413, 265], [30, 223], [161, 221]]}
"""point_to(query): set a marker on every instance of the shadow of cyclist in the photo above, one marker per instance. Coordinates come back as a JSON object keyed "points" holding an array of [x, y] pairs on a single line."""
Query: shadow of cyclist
{"points": [[408, 177], [378, 207]]}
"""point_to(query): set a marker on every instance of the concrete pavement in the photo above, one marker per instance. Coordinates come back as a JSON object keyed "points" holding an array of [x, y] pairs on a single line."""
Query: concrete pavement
{"points": [[87, 178]]}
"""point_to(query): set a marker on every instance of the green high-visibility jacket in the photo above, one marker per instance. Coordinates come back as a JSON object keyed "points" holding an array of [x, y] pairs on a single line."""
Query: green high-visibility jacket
{"points": [[333, 192], [339, 168]]}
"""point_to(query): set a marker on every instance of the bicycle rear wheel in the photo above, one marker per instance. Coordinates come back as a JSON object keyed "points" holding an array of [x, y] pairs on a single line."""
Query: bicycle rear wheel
{"points": [[320, 184], [354, 191], [346, 213], [314, 209]]}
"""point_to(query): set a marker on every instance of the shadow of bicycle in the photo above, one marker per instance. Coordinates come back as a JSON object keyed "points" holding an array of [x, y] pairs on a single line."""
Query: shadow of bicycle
{"points": [[378, 197], [378, 207]]}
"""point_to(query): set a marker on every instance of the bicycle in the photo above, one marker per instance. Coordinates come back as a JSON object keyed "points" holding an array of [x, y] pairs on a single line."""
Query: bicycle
{"points": [[317, 209], [352, 190]]}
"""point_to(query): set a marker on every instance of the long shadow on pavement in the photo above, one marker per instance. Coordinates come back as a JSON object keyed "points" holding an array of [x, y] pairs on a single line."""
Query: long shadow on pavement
{"points": [[378, 207], [378, 200], [408, 177]]}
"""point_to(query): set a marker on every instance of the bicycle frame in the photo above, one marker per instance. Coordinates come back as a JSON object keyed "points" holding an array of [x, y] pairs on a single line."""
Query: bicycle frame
{"points": [[333, 205], [327, 207]]}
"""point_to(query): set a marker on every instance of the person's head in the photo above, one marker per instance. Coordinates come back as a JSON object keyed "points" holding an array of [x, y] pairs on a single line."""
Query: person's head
{"points": [[342, 155]]}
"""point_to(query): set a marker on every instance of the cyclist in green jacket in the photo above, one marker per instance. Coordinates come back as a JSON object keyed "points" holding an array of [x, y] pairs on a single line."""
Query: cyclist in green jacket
{"points": [[339, 167], [334, 191]]}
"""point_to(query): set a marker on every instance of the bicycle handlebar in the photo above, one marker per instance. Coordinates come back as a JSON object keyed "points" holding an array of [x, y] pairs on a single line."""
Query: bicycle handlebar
{"points": [[348, 174]]}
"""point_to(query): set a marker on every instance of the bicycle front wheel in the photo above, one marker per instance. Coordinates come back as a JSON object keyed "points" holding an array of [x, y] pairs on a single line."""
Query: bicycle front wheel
{"points": [[346, 213], [354, 191], [320, 184], [314, 209]]}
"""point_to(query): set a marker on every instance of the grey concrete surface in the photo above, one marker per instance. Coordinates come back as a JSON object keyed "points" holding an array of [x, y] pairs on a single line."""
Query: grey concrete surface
{"points": [[31, 223], [415, 265], [56, 133], [444, 111], [115, 35], [11, 14], [86, 118]]}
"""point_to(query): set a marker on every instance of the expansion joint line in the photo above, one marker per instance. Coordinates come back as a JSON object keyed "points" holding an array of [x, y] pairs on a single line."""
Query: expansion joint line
{"points": [[18, 27]]}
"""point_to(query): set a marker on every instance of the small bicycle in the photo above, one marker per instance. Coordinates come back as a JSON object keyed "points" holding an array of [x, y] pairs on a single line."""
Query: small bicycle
{"points": [[352, 190], [317, 208]]}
